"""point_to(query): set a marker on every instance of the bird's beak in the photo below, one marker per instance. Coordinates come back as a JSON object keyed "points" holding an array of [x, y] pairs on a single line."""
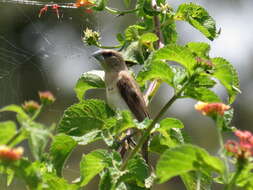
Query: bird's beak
{"points": [[98, 55]]}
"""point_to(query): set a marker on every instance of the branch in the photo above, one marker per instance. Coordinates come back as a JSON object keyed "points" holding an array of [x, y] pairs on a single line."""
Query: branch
{"points": [[154, 85]]}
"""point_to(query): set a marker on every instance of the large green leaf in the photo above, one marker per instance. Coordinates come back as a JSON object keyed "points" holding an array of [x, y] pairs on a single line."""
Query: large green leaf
{"points": [[200, 49], [84, 117], [92, 164], [176, 53], [89, 80], [155, 70], [227, 75], [198, 17], [201, 94], [60, 150], [7, 131], [137, 169], [185, 158]]}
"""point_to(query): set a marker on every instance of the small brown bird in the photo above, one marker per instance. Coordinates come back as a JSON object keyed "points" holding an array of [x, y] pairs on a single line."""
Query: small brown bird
{"points": [[122, 91]]}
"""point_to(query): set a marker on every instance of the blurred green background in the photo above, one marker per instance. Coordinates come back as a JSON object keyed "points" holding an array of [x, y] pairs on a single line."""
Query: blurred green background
{"points": [[47, 53]]}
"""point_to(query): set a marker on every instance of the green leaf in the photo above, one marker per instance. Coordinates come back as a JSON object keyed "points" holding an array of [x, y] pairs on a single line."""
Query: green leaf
{"points": [[175, 53], [203, 81], [131, 53], [169, 31], [156, 145], [60, 150], [106, 181], [56, 183], [38, 138], [92, 164], [225, 121], [228, 77], [7, 131], [124, 120], [89, 80], [155, 70], [17, 109], [245, 179], [85, 117], [132, 32], [198, 17], [169, 123], [191, 179], [200, 49], [185, 158], [170, 131], [148, 39], [138, 169], [88, 137], [201, 94]]}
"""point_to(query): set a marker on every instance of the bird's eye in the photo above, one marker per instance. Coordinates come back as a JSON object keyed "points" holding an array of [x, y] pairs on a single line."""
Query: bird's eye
{"points": [[107, 54]]}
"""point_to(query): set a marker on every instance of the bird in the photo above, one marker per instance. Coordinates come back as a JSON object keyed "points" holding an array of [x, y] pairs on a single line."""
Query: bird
{"points": [[122, 91]]}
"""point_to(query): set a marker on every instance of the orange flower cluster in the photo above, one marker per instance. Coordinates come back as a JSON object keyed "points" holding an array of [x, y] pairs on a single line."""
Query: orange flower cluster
{"points": [[243, 148], [212, 108], [46, 97], [10, 154]]}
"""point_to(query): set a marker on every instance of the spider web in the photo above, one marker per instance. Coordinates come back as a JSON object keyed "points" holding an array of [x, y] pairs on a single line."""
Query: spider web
{"points": [[33, 56]]}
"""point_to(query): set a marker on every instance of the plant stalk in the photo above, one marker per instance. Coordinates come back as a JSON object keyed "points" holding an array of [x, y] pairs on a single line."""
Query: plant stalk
{"points": [[222, 152]]}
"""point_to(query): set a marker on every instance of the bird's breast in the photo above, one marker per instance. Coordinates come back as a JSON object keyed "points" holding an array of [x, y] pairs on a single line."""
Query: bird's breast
{"points": [[114, 99]]}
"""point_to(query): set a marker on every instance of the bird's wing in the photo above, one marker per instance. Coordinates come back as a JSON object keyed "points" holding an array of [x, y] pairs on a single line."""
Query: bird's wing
{"points": [[133, 97]]}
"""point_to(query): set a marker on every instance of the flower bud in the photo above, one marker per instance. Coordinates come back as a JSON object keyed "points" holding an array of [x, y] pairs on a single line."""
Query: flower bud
{"points": [[10, 154], [46, 98], [31, 107]]}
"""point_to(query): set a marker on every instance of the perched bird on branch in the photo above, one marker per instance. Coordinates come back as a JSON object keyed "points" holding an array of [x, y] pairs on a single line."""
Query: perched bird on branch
{"points": [[122, 91]]}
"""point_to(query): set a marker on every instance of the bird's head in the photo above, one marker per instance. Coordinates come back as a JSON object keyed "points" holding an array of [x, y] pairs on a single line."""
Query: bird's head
{"points": [[111, 61]]}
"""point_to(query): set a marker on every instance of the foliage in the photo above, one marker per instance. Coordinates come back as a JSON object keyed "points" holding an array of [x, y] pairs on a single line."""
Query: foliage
{"points": [[152, 44]]}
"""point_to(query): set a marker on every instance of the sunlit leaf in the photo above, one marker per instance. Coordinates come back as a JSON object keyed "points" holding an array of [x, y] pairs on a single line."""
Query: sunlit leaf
{"points": [[198, 17], [92, 164], [89, 80], [155, 70], [200, 49], [201, 94], [179, 54], [227, 75], [84, 117], [185, 158]]}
